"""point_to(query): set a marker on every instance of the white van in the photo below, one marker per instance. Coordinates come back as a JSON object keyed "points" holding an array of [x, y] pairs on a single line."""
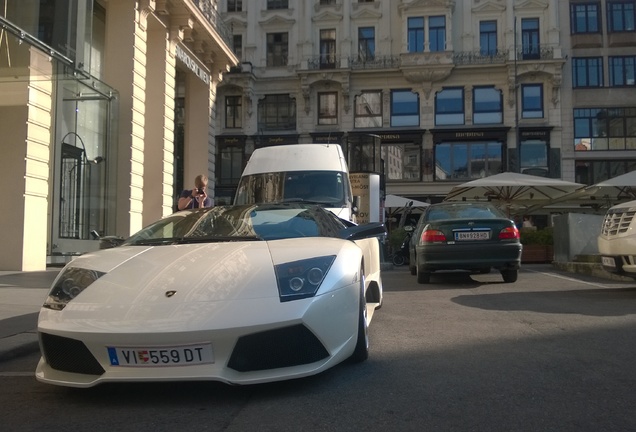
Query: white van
{"points": [[617, 241], [315, 173]]}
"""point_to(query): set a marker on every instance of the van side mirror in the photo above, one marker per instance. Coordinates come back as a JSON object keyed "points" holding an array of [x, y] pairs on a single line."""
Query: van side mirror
{"points": [[356, 205]]}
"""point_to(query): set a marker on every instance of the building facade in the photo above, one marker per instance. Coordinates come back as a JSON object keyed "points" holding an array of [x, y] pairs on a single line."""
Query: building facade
{"points": [[599, 106], [106, 110], [455, 90]]}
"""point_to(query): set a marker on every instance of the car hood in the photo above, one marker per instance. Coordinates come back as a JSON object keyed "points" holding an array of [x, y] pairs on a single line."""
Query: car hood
{"points": [[160, 285]]}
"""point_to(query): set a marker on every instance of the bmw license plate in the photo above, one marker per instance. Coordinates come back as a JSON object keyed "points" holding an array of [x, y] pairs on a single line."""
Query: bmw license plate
{"points": [[472, 235], [608, 261], [185, 355]]}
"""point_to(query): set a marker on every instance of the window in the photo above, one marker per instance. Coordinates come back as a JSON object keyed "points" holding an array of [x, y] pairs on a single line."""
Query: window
{"points": [[328, 108], [277, 4], [234, 5], [415, 34], [277, 112], [487, 105], [437, 33], [402, 161], [368, 109], [604, 129], [530, 38], [585, 18], [488, 37], [449, 107], [231, 166], [237, 45], [327, 49], [622, 71], [620, 16], [532, 101], [405, 108], [366, 43], [590, 172], [534, 156], [233, 112], [277, 49], [466, 161], [587, 72]]}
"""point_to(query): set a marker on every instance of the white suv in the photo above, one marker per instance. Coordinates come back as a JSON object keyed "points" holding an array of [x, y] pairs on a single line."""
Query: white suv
{"points": [[617, 241]]}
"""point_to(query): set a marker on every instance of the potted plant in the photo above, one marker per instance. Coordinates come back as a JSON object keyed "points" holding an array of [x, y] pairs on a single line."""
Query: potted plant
{"points": [[538, 245]]}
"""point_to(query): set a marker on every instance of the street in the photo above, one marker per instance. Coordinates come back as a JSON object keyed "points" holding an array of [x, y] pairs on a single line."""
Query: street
{"points": [[552, 352]]}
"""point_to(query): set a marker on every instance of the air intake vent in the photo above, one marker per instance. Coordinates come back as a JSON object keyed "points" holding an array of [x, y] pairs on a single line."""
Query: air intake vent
{"points": [[69, 355], [289, 346]]}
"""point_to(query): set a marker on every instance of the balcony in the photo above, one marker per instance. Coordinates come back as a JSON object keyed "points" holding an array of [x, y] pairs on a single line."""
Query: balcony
{"points": [[480, 58], [215, 20], [535, 52], [377, 62], [325, 61]]}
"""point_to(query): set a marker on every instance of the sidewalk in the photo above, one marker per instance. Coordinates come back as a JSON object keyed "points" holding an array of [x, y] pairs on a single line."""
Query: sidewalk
{"points": [[21, 296]]}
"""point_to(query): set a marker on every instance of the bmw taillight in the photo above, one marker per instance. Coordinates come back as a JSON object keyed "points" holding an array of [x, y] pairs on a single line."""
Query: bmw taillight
{"points": [[509, 233], [433, 236]]}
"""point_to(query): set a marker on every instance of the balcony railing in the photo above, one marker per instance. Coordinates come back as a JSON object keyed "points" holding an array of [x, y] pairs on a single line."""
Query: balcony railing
{"points": [[328, 61], [378, 62], [211, 14], [479, 57], [535, 52]]}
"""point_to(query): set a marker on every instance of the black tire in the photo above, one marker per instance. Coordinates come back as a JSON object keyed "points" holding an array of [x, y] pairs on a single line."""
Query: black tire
{"points": [[361, 351], [484, 270], [398, 259], [509, 275], [423, 277]]}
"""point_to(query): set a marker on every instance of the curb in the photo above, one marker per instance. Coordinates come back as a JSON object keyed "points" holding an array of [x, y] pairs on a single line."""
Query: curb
{"points": [[18, 345]]}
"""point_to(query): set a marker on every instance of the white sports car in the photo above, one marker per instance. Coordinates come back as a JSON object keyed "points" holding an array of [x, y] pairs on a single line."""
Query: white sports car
{"points": [[238, 294]]}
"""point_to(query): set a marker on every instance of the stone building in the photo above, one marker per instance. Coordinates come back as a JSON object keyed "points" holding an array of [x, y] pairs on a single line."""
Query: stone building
{"points": [[106, 111]]}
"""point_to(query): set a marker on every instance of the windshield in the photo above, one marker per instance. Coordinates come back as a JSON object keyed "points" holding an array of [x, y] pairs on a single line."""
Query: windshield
{"points": [[239, 223], [328, 188]]}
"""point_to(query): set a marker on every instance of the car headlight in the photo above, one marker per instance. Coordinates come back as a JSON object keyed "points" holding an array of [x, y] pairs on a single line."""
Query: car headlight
{"points": [[68, 286], [301, 279]]}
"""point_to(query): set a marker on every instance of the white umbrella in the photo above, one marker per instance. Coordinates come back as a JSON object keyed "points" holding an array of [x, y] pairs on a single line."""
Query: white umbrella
{"points": [[605, 193], [391, 201], [513, 189]]}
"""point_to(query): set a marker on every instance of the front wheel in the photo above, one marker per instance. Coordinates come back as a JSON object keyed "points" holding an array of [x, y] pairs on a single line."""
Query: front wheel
{"points": [[361, 351], [509, 275]]}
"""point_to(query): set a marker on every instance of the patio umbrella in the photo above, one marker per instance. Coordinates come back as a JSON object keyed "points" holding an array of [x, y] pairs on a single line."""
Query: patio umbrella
{"points": [[513, 189], [391, 201], [605, 193]]}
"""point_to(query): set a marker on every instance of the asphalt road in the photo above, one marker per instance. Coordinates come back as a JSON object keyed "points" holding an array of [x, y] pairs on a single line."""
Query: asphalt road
{"points": [[552, 352]]}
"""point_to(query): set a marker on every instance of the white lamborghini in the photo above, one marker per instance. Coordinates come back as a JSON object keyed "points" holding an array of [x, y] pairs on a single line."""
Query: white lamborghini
{"points": [[238, 294]]}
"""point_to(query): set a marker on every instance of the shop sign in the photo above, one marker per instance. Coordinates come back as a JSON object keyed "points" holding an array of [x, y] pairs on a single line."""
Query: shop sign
{"points": [[191, 64]]}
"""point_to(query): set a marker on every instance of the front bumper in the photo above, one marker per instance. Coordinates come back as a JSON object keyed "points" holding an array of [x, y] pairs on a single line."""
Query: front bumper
{"points": [[293, 340]]}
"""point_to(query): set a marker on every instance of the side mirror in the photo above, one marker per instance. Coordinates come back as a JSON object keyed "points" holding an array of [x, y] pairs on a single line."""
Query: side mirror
{"points": [[358, 232], [356, 205]]}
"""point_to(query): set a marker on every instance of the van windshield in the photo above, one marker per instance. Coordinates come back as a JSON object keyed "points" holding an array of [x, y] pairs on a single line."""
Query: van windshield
{"points": [[323, 187]]}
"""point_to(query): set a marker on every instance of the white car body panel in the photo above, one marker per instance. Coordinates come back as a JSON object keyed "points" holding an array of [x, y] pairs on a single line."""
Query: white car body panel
{"points": [[617, 240], [222, 291]]}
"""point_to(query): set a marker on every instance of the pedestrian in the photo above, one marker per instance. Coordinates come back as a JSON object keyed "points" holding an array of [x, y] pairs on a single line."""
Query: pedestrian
{"points": [[196, 197]]}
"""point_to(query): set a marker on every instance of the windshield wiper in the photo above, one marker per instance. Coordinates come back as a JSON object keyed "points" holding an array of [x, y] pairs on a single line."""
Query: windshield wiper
{"points": [[154, 242], [215, 239]]}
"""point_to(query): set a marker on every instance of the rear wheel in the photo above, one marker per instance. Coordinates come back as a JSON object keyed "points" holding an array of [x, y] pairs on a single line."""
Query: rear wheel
{"points": [[509, 275], [398, 259], [484, 270], [423, 277], [361, 351]]}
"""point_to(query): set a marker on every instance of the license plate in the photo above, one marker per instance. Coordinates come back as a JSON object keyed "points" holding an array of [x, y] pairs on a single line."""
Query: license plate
{"points": [[472, 235], [608, 261], [185, 355]]}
